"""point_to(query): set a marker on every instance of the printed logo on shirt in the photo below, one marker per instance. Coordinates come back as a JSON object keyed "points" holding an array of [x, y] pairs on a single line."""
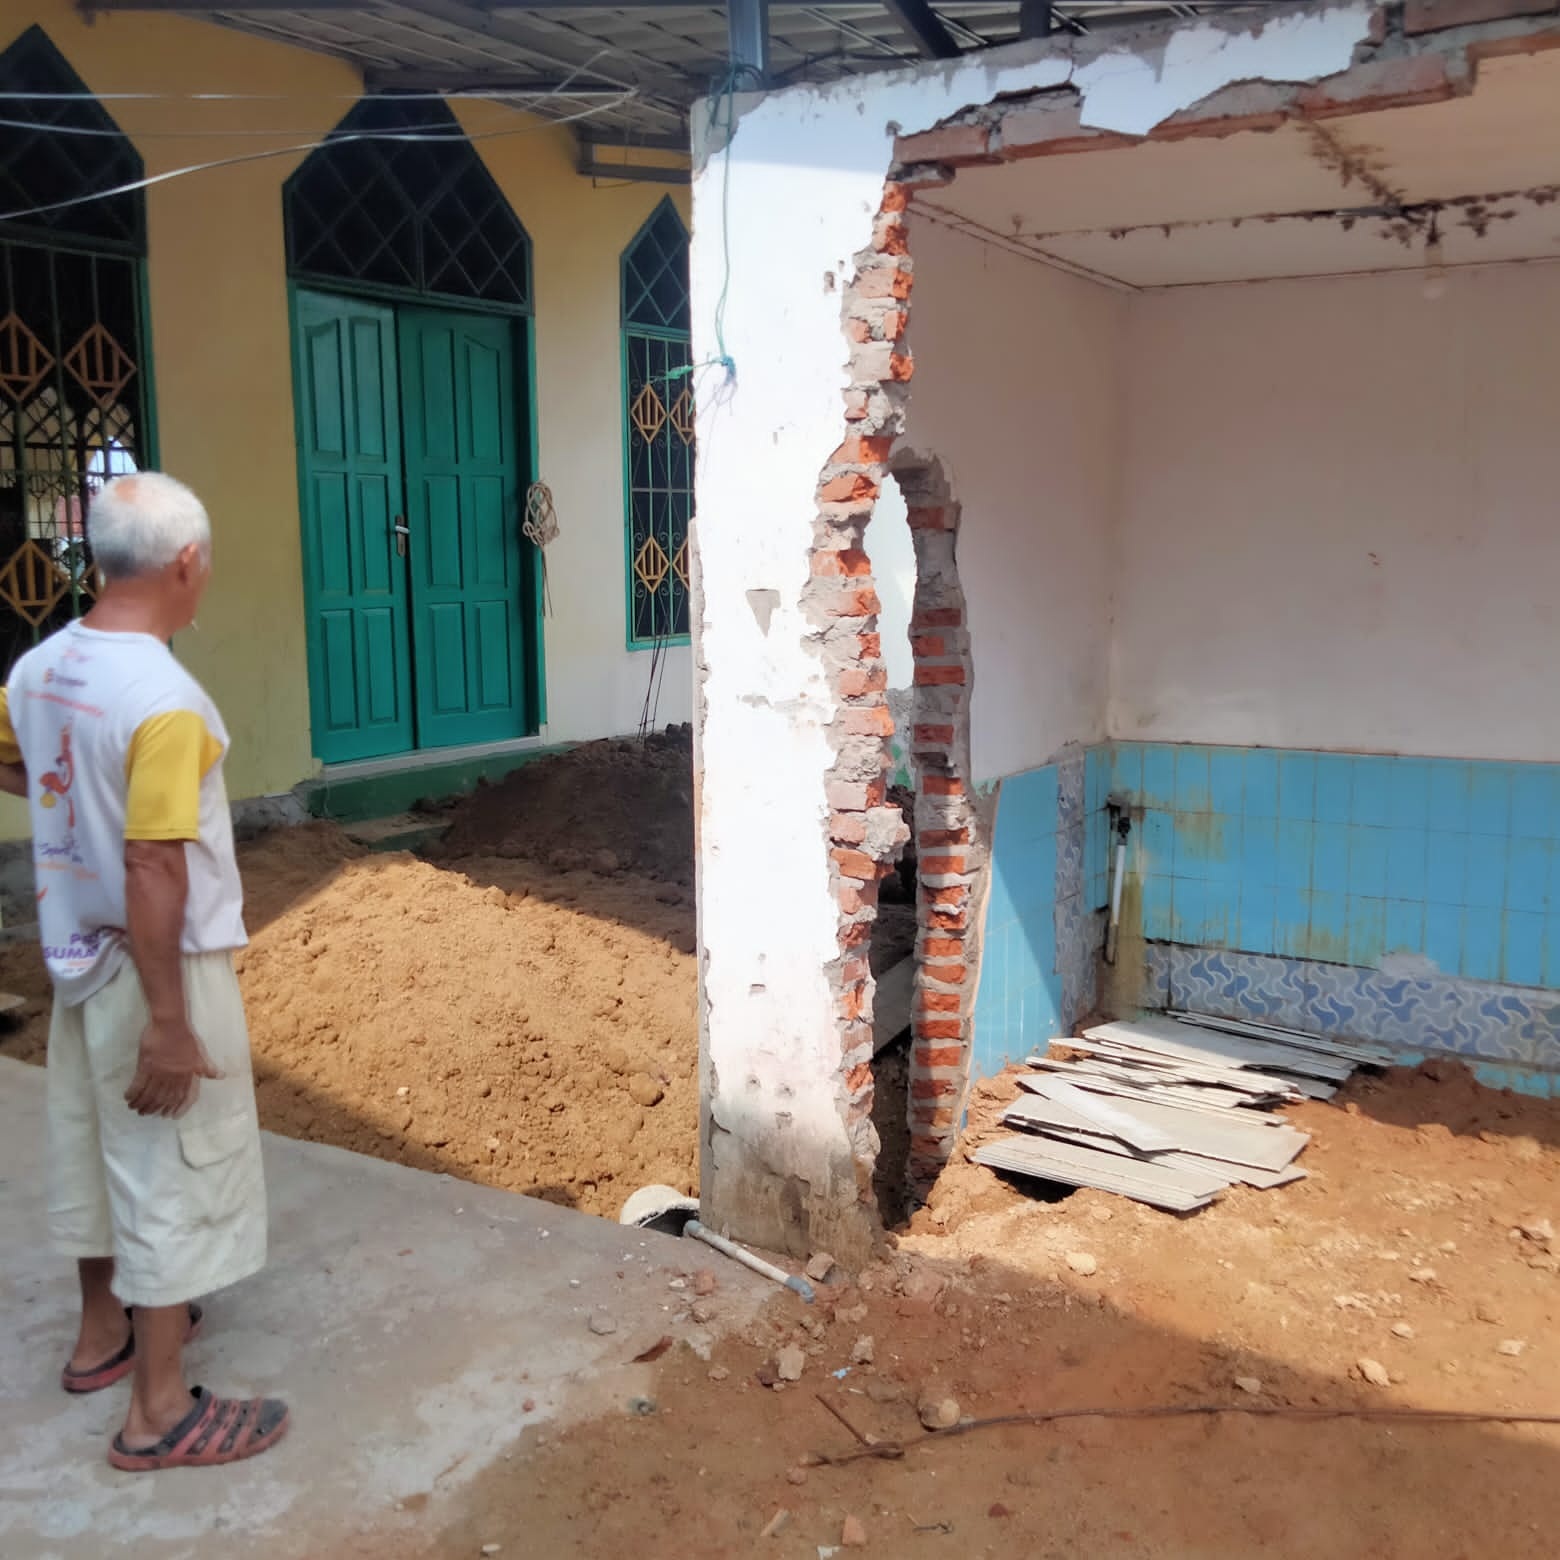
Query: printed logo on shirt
{"points": [[57, 782]]}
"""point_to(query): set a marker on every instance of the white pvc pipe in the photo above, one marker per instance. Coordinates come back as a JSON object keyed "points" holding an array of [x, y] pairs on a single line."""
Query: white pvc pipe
{"points": [[1118, 877], [747, 1259]]}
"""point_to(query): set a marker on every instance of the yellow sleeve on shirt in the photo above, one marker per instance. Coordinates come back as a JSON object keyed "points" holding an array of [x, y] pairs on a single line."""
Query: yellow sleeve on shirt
{"points": [[10, 748], [169, 754]]}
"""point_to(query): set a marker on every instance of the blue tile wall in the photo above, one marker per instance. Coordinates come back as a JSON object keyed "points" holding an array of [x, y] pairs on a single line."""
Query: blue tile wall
{"points": [[1041, 939], [1340, 858]]}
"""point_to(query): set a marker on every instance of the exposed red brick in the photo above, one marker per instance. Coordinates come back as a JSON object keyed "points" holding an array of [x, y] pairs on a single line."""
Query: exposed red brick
{"points": [[942, 734], [947, 898], [858, 933], [856, 681], [1378, 85], [884, 281], [877, 792], [871, 721], [939, 676], [900, 368], [938, 1116], [895, 197], [941, 866], [855, 969], [847, 796], [950, 144], [938, 1001], [859, 1077], [855, 405], [858, 603], [893, 324], [1423, 16], [1504, 48], [933, 1088], [891, 237], [946, 920], [942, 947], [848, 828], [937, 1029], [939, 1056], [1190, 123], [937, 617], [929, 644], [945, 974], [857, 331], [848, 487], [853, 1002], [854, 864], [849, 562], [942, 785], [855, 897], [931, 837], [863, 450], [928, 519]]}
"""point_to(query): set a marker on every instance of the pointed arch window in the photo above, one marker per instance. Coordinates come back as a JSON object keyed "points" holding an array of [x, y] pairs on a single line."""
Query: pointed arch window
{"points": [[74, 392], [658, 428]]}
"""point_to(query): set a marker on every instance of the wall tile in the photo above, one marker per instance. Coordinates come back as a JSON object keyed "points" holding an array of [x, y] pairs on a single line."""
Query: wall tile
{"points": [[1329, 922], [1227, 781], [1156, 842], [1334, 776], [1481, 946], [1446, 867], [1489, 800], [1371, 798], [1408, 794], [1158, 787], [1330, 858], [1443, 937], [1449, 792], [1407, 853], [1523, 945], [1368, 861], [1367, 929], [1191, 780], [1552, 950], [1126, 771], [1297, 786], [1405, 926], [1158, 917], [1528, 867], [1296, 846], [1258, 850], [1485, 885], [1291, 920], [1260, 772], [1221, 914], [1535, 799], [1254, 928], [1189, 904]]}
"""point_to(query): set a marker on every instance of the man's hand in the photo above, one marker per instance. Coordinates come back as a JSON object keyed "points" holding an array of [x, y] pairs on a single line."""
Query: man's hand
{"points": [[172, 1063]]}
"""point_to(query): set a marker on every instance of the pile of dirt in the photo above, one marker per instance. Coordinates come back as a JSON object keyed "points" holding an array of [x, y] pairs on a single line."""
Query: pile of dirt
{"points": [[501, 1022], [619, 805]]}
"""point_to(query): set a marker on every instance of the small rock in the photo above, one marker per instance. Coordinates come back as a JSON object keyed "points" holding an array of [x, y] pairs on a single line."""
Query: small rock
{"points": [[1487, 1313], [1083, 1263], [853, 1535], [820, 1266], [403, 1093], [775, 1523], [645, 1090], [1249, 1384], [1402, 1330], [491, 1549], [1512, 1347], [677, 1283], [605, 862], [796, 1476], [1422, 1275], [492, 1144], [861, 1354], [850, 1314], [1101, 1215], [704, 1282], [790, 1362], [718, 1372], [881, 1390], [702, 1312], [602, 1324], [998, 1510], [1540, 1231], [938, 1408], [1374, 1372]]}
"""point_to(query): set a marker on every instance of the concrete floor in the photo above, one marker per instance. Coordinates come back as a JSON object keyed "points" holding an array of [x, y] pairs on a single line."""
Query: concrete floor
{"points": [[406, 1317]]}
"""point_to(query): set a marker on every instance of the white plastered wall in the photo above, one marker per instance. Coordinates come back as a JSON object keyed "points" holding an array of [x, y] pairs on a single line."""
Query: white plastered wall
{"points": [[780, 208], [1338, 519], [1018, 392]]}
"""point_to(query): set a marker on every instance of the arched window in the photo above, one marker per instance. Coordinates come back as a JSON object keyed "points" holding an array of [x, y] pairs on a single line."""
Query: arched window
{"points": [[417, 215], [74, 396], [658, 431]]}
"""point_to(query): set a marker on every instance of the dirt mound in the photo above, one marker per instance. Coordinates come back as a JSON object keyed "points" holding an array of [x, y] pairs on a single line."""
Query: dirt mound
{"points": [[619, 805]]}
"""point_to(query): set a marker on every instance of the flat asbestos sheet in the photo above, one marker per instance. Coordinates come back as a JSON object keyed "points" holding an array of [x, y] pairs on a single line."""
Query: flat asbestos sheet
{"points": [[1357, 1051], [1182, 1069], [1255, 1145], [1217, 1048], [1178, 1190], [1081, 1108], [1102, 1078]]}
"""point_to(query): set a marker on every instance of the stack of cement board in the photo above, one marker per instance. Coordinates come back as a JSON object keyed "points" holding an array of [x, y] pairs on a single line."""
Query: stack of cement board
{"points": [[1163, 1110]]}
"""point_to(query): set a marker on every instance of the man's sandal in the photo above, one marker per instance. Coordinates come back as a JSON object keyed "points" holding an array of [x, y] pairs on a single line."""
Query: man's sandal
{"points": [[93, 1378], [216, 1430]]}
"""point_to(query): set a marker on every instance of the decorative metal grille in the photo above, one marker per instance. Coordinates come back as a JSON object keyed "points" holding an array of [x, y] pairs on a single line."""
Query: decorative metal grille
{"points": [[414, 215], [658, 427], [72, 394]]}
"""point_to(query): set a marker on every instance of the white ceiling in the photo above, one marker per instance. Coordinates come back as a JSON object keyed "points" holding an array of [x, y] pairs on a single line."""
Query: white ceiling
{"points": [[1234, 204]]}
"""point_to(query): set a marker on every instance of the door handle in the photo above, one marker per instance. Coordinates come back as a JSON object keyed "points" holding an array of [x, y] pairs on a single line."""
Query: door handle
{"points": [[402, 531]]}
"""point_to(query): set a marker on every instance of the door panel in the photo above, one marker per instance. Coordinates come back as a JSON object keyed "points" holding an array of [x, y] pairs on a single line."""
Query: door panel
{"points": [[351, 484], [464, 487]]}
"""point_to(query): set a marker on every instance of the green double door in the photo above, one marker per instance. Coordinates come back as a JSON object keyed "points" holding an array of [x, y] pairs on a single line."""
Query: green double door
{"points": [[421, 610]]}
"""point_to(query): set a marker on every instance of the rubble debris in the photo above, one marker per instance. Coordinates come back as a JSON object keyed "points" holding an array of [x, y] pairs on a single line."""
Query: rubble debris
{"points": [[937, 1408], [790, 1362], [819, 1267], [1374, 1372]]}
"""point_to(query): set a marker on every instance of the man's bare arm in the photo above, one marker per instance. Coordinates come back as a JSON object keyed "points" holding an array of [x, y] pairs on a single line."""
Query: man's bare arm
{"points": [[172, 1059], [13, 779]]}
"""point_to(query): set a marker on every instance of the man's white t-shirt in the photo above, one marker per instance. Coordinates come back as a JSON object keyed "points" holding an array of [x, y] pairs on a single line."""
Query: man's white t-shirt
{"points": [[120, 743]]}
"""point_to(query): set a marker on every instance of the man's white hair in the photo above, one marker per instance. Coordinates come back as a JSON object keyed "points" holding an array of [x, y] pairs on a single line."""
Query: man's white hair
{"points": [[141, 523]]}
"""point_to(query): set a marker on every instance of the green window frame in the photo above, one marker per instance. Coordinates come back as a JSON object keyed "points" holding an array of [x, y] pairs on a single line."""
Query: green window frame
{"points": [[658, 452], [75, 382]]}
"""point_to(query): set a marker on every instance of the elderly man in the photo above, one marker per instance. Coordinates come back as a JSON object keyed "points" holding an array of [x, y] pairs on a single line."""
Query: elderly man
{"points": [[155, 1182]]}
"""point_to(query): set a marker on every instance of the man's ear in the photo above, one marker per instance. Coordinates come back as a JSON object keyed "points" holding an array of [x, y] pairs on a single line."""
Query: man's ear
{"points": [[189, 562]]}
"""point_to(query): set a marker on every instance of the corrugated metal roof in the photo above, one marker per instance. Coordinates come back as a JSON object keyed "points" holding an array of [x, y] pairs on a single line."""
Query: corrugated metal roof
{"points": [[635, 70]]}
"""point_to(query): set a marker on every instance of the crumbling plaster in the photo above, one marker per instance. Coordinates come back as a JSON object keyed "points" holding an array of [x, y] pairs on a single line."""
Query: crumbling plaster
{"points": [[782, 205]]}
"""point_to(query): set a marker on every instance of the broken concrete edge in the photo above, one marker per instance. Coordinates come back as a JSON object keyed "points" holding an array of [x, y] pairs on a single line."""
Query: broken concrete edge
{"points": [[1397, 67]]}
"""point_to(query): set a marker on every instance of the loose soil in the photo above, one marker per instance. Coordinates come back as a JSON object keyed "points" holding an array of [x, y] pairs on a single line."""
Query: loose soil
{"points": [[1417, 1183]]}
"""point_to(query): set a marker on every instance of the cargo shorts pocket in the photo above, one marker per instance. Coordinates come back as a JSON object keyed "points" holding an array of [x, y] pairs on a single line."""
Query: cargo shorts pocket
{"points": [[220, 1167]]}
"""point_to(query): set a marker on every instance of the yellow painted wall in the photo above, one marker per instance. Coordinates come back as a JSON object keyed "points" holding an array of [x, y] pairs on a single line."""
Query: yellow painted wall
{"points": [[222, 368]]}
